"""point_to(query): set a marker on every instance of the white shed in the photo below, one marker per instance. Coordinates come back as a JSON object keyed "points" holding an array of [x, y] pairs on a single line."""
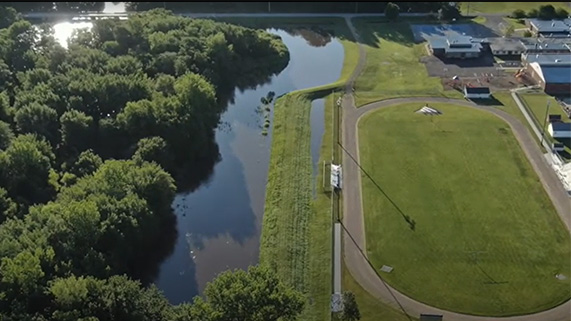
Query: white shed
{"points": [[477, 92], [559, 130]]}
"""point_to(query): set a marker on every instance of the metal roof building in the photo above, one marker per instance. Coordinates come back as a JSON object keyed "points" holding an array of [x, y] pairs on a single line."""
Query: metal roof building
{"points": [[455, 46], [541, 59], [553, 77], [547, 27]]}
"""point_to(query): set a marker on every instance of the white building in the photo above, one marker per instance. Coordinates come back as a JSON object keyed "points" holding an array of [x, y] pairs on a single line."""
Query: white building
{"points": [[559, 130]]}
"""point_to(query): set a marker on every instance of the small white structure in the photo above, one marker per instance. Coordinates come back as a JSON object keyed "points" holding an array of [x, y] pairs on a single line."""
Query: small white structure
{"points": [[477, 92], [559, 130], [429, 111], [336, 176]]}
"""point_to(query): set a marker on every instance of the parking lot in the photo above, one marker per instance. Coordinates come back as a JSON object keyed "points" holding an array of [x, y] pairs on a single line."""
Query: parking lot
{"points": [[476, 72]]}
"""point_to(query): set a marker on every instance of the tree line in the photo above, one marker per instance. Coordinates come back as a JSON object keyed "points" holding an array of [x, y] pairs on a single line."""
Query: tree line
{"points": [[233, 7], [93, 138], [544, 12]]}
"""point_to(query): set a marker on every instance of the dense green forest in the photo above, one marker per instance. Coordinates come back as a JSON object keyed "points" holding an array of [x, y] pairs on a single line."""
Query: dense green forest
{"points": [[304, 6], [94, 139], [292, 7]]}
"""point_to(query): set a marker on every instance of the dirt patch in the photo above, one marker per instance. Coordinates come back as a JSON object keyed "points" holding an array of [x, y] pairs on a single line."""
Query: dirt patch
{"points": [[475, 72]]}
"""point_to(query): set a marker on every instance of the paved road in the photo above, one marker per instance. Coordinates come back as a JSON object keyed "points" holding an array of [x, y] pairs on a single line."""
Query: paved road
{"points": [[337, 258], [354, 241]]}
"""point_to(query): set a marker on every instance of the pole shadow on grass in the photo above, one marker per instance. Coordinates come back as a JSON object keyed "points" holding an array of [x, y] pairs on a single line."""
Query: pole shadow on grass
{"points": [[410, 221], [374, 269]]}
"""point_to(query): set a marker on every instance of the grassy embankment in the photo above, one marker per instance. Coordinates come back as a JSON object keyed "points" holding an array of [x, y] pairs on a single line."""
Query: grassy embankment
{"points": [[473, 8], [297, 234], [393, 68], [508, 105], [460, 256]]}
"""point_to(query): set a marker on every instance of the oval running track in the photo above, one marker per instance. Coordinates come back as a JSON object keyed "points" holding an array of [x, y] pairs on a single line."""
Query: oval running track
{"points": [[354, 244]]}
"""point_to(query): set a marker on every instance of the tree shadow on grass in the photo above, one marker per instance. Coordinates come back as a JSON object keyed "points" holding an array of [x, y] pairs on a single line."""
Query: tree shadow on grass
{"points": [[373, 32]]}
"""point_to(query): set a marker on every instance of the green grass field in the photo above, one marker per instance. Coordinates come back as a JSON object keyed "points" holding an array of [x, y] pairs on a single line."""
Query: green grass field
{"points": [[462, 216], [537, 103], [509, 106], [370, 308], [504, 7], [288, 242], [393, 68]]}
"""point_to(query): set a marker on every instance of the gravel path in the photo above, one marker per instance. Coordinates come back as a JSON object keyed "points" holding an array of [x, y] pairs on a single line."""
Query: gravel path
{"points": [[354, 241]]}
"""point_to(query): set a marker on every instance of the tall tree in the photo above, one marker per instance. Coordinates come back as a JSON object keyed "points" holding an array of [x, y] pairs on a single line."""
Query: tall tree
{"points": [[547, 12], [38, 119], [392, 11], [255, 295]]}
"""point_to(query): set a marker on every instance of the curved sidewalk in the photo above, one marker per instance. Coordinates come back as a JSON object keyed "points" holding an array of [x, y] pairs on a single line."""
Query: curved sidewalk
{"points": [[353, 214]]}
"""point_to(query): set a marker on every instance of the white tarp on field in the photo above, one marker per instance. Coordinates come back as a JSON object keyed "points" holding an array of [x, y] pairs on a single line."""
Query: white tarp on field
{"points": [[336, 176]]}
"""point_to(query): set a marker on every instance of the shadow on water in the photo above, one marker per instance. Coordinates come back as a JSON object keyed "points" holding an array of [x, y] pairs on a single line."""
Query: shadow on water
{"points": [[147, 266]]}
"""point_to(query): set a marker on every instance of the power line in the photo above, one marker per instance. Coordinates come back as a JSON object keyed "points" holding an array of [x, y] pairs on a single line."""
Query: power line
{"points": [[375, 270]]}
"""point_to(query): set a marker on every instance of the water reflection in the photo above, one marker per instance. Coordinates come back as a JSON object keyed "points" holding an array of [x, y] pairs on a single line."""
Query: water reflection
{"points": [[219, 223], [315, 37]]}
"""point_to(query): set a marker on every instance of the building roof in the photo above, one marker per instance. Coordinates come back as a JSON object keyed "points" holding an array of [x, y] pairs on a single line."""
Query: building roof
{"points": [[456, 44], [538, 45], [506, 44], [547, 26], [477, 90], [556, 74], [459, 41], [561, 126], [542, 59]]}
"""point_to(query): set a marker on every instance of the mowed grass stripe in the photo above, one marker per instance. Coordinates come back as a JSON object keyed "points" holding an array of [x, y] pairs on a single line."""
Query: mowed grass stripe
{"points": [[288, 209], [487, 240]]}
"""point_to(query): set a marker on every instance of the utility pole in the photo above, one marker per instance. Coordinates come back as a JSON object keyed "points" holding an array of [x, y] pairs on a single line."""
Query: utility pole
{"points": [[356, 7], [544, 121], [269, 8]]}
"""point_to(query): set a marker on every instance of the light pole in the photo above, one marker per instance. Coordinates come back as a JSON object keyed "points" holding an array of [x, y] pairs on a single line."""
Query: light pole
{"points": [[545, 121]]}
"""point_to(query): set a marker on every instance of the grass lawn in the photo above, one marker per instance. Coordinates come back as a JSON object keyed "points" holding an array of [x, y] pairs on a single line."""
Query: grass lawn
{"points": [[537, 103], [289, 241], [486, 238], [393, 68], [516, 23], [370, 308], [504, 7], [509, 106]]}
